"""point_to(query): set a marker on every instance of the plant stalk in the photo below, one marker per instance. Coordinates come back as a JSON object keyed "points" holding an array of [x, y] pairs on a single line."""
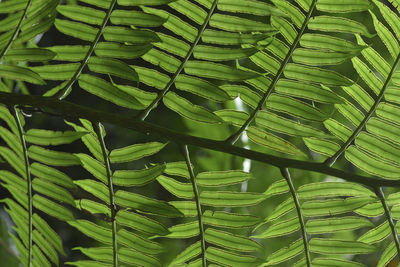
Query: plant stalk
{"points": [[68, 110], [65, 91], [16, 31], [143, 115], [14, 111], [113, 209], [234, 137], [381, 196], [185, 152], [286, 174]]}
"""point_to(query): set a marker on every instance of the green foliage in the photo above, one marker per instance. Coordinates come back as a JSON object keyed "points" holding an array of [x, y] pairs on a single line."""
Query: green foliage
{"points": [[101, 101]]}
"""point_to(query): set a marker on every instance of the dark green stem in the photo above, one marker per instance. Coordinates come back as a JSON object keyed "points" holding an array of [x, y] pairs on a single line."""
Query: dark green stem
{"points": [[100, 137], [185, 153], [286, 174], [68, 110], [28, 181], [64, 92], [381, 196], [234, 137], [16, 31], [143, 115], [331, 160]]}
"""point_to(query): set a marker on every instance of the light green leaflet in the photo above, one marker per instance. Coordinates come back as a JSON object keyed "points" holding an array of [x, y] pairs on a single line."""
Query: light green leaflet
{"points": [[115, 50], [249, 7], [190, 10], [319, 58], [323, 262], [51, 208], [271, 141], [53, 191], [187, 208], [332, 246], [333, 206], [285, 27], [113, 67], [236, 118], [93, 207], [230, 241], [295, 107], [69, 52], [376, 234], [188, 254], [307, 91], [232, 38], [376, 146], [316, 75], [29, 54], [343, 6], [95, 167], [107, 91], [214, 53], [139, 243], [222, 257], [230, 199], [375, 165], [90, 229], [51, 157], [135, 152], [201, 87], [216, 71], [238, 24], [143, 2], [280, 229], [145, 204], [184, 230], [225, 219], [286, 253], [76, 29], [332, 189], [188, 110], [53, 175], [329, 43], [56, 71], [338, 24], [330, 225], [283, 208], [97, 189], [137, 177], [280, 124], [383, 129], [47, 137], [140, 223], [13, 159], [20, 73], [82, 13], [321, 146], [221, 178], [179, 189], [277, 188], [386, 36], [135, 18], [131, 36]]}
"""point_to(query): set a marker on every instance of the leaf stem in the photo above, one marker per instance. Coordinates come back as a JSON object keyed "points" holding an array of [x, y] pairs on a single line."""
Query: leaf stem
{"points": [[234, 137], [143, 115], [331, 160], [185, 152], [286, 174], [381, 196], [14, 111], [16, 31], [64, 92], [97, 127], [69, 110]]}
